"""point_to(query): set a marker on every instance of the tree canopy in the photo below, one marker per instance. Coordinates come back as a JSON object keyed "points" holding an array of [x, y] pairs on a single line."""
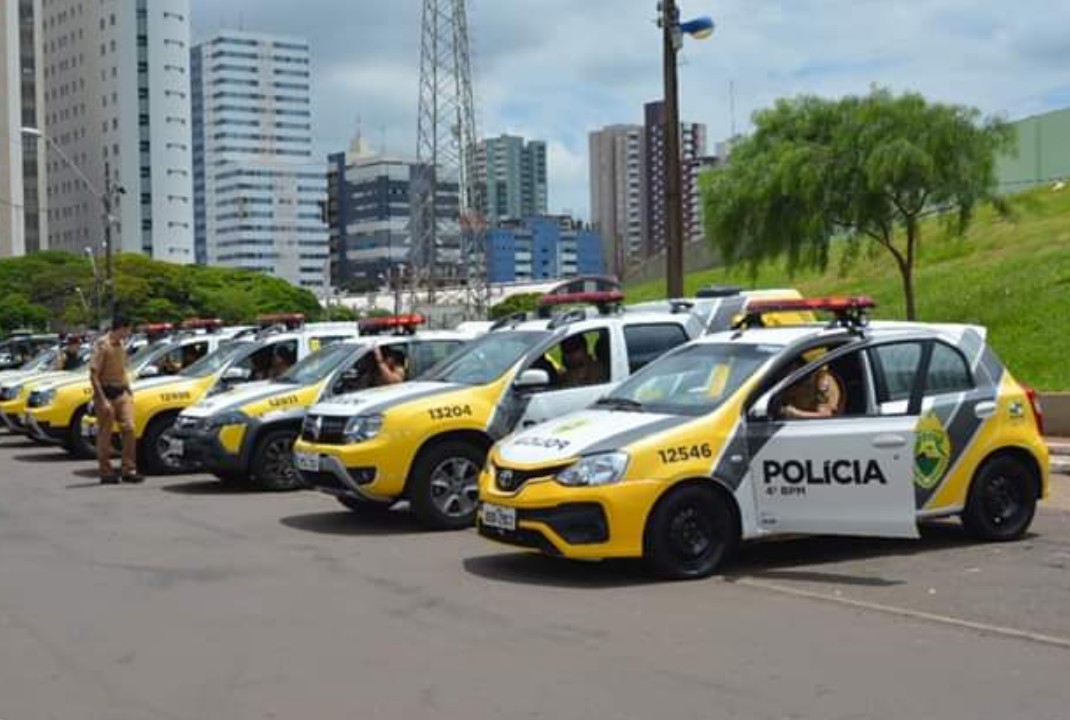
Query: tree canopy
{"points": [[55, 290], [521, 302], [861, 168]]}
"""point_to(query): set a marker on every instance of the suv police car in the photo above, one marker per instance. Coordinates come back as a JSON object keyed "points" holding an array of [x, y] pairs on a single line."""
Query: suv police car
{"points": [[14, 384], [249, 432], [55, 406], [159, 401], [427, 440], [843, 429]]}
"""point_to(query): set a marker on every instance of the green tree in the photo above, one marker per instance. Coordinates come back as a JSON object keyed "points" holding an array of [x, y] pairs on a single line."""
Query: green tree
{"points": [[859, 168], [521, 302]]}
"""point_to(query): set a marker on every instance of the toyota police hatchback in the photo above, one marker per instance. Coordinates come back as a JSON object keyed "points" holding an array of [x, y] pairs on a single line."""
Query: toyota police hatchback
{"points": [[427, 440], [845, 429], [248, 434]]}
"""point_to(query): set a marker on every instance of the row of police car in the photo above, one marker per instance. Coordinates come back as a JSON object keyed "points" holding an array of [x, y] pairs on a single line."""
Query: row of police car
{"points": [[596, 430]]}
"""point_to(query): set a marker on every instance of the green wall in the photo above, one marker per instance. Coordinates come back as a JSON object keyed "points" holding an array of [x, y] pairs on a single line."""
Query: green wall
{"points": [[1043, 154]]}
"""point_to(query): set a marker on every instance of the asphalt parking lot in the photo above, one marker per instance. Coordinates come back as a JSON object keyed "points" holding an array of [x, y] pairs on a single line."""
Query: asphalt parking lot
{"points": [[184, 599]]}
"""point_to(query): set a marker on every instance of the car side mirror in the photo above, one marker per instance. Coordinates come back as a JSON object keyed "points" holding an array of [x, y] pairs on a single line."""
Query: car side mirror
{"points": [[532, 379], [759, 411], [236, 375], [149, 371]]}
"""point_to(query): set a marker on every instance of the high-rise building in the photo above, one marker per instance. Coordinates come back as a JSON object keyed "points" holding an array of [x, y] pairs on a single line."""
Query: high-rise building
{"points": [[692, 146], [23, 196], [511, 173], [117, 109], [259, 194], [542, 248], [369, 208], [617, 181]]}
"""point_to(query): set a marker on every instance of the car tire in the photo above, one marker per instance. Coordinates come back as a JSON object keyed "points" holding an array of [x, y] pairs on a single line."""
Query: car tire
{"points": [[690, 533], [76, 444], [152, 460], [364, 507], [443, 485], [273, 465], [1002, 500]]}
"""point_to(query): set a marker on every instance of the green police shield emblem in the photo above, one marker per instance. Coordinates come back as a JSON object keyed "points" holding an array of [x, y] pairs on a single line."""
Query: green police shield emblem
{"points": [[932, 452]]}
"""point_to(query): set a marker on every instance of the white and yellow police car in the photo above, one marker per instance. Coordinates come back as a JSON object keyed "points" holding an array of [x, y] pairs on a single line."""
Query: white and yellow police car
{"points": [[850, 428], [247, 434], [427, 440]]}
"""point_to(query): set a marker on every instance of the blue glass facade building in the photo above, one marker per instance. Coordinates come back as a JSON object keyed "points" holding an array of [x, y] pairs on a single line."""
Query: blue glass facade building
{"points": [[542, 248]]}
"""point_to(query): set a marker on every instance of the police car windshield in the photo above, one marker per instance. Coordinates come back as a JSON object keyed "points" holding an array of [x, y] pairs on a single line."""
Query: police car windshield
{"points": [[213, 363], [317, 366], [148, 354], [41, 361], [487, 358], [694, 380]]}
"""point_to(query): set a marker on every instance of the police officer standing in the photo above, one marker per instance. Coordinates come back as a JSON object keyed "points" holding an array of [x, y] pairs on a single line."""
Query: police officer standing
{"points": [[114, 402]]}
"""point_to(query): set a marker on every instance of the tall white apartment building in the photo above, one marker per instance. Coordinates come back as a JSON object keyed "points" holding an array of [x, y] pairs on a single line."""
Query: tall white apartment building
{"points": [[117, 106], [23, 195], [617, 185], [259, 195]]}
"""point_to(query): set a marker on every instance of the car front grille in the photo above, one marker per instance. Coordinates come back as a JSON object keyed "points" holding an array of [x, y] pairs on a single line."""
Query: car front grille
{"points": [[324, 429]]}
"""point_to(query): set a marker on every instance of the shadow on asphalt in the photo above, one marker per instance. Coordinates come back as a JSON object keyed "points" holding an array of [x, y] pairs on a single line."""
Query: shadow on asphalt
{"points": [[208, 487], [22, 444], [346, 522], [48, 455], [531, 569], [785, 560]]}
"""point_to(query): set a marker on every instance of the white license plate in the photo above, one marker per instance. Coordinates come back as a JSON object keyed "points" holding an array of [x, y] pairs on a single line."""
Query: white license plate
{"points": [[307, 461], [496, 516]]}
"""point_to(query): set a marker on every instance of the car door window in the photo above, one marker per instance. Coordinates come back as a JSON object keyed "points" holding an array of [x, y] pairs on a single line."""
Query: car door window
{"points": [[426, 354], [895, 372], [646, 343], [580, 360], [834, 389], [948, 371]]}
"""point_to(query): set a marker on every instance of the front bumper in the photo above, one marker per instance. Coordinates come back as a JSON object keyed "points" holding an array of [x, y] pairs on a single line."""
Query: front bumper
{"points": [[202, 448], [14, 423], [581, 523], [44, 431], [375, 470]]}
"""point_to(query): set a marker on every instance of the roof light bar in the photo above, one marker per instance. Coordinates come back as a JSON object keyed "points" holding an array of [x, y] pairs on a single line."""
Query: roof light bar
{"points": [[838, 304], [289, 320], [392, 322], [201, 323]]}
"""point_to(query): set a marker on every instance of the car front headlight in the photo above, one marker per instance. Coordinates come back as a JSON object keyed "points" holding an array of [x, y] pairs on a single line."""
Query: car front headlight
{"points": [[9, 393], [234, 417], [41, 398], [595, 470], [363, 428]]}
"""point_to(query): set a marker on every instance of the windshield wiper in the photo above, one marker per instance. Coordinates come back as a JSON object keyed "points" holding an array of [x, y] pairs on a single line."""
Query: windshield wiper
{"points": [[619, 403]]}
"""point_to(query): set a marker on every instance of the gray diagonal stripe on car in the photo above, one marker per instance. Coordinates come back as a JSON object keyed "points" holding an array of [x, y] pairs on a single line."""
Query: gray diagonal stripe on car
{"points": [[377, 408], [627, 437]]}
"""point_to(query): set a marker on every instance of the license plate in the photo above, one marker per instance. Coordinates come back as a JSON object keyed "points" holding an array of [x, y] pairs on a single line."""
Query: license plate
{"points": [[307, 462], [496, 516]]}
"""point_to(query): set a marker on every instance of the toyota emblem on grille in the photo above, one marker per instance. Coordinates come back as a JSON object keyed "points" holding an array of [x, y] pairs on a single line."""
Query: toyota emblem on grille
{"points": [[505, 479]]}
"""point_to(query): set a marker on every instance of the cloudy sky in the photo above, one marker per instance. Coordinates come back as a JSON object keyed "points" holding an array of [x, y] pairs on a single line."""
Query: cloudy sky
{"points": [[556, 69]]}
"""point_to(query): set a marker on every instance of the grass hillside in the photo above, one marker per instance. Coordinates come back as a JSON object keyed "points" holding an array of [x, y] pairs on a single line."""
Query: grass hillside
{"points": [[1010, 275]]}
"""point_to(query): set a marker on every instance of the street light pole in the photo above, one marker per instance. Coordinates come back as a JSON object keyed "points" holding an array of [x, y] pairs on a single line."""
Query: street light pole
{"points": [[673, 32], [674, 218]]}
